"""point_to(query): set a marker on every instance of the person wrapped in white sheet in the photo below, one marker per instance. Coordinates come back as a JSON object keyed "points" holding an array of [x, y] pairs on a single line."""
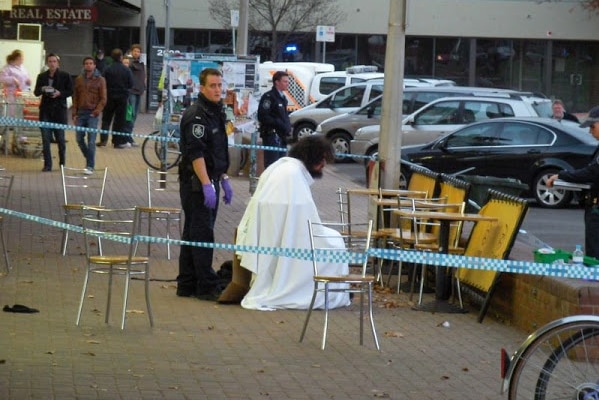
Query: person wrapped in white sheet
{"points": [[277, 216]]}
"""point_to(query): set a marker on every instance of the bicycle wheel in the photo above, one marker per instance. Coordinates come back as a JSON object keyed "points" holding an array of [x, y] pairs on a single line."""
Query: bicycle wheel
{"points": [[152, 149], [562, 363]]}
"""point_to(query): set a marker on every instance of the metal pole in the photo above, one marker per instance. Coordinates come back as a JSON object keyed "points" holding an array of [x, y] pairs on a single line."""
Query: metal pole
{"points": [[166, 101], [242, 29], [390, 141], [167, 26], [242, 50], [233, 40], [143, 42], [324, 50]]}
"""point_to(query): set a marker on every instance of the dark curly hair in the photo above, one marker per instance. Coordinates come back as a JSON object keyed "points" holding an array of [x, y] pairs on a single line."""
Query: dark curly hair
{"points": [[311, 150]]}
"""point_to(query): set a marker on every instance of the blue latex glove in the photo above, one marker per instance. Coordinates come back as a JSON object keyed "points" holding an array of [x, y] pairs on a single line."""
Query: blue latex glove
{"points": [[228, 197], [209, 195]]}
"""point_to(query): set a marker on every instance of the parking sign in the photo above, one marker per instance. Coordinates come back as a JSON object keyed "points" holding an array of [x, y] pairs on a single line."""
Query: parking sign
{"points": [[325, 33]]}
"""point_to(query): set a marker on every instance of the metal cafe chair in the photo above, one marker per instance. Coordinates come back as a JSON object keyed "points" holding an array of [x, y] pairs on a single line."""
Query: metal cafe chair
{"points": [[80, 189], [161, 184], [325, 237], [119, 229], [6, 184]]}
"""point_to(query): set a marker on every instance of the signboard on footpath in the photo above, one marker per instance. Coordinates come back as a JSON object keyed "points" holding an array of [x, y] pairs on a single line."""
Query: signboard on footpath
{"points": [[240, 94], [154, 71], [240, 83]]}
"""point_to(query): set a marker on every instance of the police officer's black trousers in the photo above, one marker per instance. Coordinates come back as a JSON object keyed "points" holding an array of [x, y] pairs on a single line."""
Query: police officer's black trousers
{"points": [[591, 231], [271, 156], [196, 275]]}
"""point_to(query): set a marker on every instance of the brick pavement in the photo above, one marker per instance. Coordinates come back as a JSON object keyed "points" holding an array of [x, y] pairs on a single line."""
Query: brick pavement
{"points": [[202, 350]]}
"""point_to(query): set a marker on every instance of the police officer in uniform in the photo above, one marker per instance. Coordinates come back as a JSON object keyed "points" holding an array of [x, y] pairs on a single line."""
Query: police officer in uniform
{"points": [[204, 162], [588, 174], [275, 126]]}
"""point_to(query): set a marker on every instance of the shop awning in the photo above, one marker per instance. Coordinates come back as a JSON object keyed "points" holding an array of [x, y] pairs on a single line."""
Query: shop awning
{"points": [[130, 5]]}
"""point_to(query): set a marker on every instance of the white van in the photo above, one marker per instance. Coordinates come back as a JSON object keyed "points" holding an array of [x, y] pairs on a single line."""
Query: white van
{"points": [[301, 75], [327, 83], [311, 82]]}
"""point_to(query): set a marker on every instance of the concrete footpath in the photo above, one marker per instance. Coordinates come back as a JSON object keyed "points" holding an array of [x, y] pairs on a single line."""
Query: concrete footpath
{"points": [[200, 349]]}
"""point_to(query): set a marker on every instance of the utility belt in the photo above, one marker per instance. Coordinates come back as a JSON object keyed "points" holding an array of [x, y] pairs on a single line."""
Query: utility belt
{"points": [[590, 199], [266, 132]]}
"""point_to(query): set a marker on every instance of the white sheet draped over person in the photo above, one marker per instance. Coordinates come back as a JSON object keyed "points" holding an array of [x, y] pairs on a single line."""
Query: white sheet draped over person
{"points": [[277, 216]]}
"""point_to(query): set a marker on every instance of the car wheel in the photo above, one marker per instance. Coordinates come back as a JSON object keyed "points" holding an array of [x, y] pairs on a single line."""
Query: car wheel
{"points": [[340, 142], [403, 180], [302, 130], [549, 197]]}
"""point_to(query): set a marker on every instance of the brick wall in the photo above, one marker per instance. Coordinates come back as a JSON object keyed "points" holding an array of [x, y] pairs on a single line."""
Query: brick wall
{"points": [[529, 301]]}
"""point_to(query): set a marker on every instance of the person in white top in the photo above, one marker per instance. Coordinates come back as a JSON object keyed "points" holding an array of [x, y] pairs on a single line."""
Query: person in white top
{"points": [[14, 76]]}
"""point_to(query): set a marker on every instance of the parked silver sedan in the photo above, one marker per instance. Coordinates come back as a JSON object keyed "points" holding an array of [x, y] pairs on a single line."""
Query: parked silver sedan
{"points": [[341, 129], [448, 114]]}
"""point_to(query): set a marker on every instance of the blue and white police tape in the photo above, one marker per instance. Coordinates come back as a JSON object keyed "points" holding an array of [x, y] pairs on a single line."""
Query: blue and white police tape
{"points": [[342, 256], [11, 121]]}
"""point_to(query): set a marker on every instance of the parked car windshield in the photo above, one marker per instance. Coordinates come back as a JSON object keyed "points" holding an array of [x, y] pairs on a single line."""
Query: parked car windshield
{"points": [[439, 114], [375, 106], [543, 108]]}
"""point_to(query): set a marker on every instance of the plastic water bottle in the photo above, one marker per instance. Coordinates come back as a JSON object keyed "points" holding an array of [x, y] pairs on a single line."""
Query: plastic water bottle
{"points": [[578, 255]]}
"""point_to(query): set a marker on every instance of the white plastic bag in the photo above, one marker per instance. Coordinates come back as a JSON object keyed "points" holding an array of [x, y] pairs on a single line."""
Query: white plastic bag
{"points": [[158, 118]]}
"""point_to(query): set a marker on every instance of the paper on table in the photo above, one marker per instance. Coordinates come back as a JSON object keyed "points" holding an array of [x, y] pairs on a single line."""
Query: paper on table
{"points": [[559, 184]]}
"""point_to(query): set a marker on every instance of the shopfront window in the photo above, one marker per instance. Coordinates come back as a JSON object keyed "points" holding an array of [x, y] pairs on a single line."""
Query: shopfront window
{"points": [[451, 59]]}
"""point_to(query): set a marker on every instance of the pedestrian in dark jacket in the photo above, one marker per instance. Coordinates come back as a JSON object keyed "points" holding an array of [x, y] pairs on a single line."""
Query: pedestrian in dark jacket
{"points": [[139, 80], [100, 61], [560, 113], [55, 86], [119, 81]]}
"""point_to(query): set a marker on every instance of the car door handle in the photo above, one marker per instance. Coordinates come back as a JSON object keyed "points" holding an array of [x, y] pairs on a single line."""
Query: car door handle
{"points": [[532, 151]]}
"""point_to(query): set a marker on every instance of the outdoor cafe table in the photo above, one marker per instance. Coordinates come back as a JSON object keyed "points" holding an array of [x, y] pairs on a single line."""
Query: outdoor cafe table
{"points": [[445, 219]]}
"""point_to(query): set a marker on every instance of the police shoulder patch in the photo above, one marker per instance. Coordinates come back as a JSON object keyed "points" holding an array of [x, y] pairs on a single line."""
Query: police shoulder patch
{"points": [[266, 104], [198, 130]]}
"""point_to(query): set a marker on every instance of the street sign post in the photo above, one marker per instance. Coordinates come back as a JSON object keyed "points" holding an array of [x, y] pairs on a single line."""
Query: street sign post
{"points": [[234, 24], [325, 34]]}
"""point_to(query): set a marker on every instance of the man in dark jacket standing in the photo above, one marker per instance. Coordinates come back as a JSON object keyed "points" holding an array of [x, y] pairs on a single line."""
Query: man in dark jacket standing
{"points": [[275, 126], [204, 162], [139, 80], [119, 81], [100, 61], [54, 86]]}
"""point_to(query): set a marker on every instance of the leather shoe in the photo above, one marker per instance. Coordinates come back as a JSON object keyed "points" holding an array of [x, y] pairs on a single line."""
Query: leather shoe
{"points": [[101, 144], [212, 295], [46, 169], [19, 308]]}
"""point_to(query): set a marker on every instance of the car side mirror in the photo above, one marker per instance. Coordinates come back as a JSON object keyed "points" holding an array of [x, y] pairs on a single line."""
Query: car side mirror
{"points": [[370, 112], [442, 145], [331, 103], [326, 103]]}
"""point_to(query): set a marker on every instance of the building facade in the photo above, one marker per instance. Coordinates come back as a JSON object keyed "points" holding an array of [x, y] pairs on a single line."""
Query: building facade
{"points": [[543, 46]]}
